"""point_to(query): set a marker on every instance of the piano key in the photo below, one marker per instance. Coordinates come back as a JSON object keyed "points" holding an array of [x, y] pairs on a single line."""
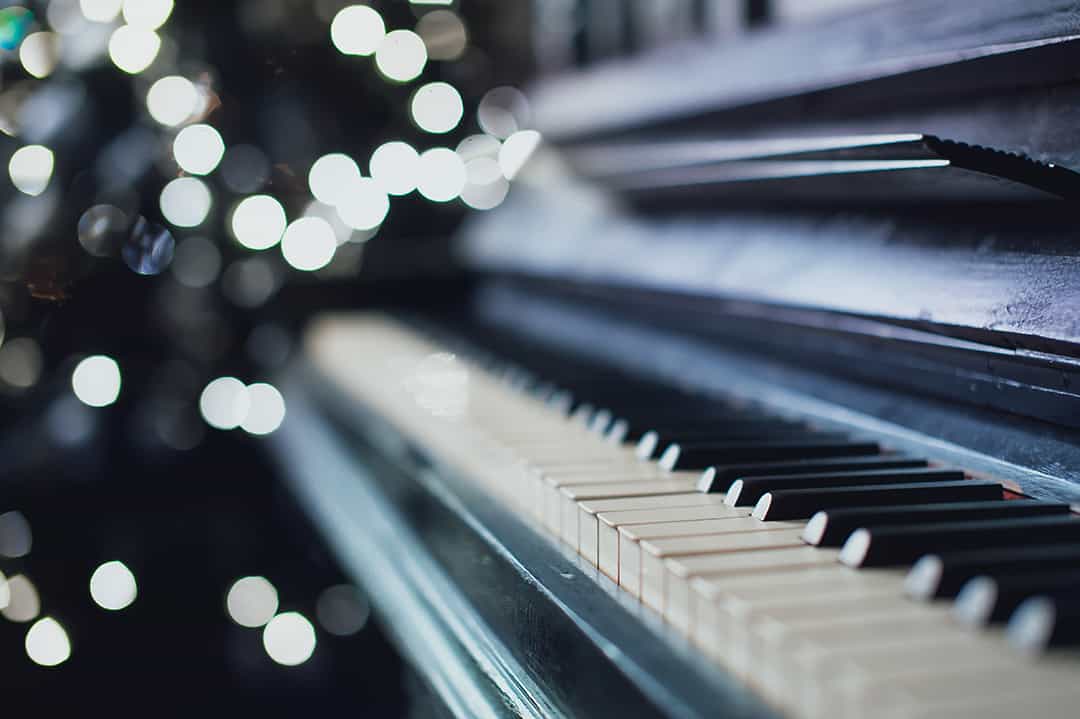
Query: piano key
{"points": [[790, 504], [655, 552], [985, 600], [830, 528], [746, 491], [571, 527], [629, 556], [1045, 622], [890, 546], [936, 576], [702, 455], [655, 440], [609, 523], [719, 479]]}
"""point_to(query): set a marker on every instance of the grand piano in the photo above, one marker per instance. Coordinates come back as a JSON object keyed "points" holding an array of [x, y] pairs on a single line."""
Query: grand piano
{"points": [[758, 397]]}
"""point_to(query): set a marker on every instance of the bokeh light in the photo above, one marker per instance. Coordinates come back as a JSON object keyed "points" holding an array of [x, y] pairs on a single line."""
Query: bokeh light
{"points": [[31, 169], [266, 411], [112, 586], [149, 248], [39, 53], [198, 149], [21, 363], [342, 610], [172, 100], [23, 605], [133, 49], [309, 244], [437, 108], [396, 167], [250, 282], [365, 206], [503, 111], [47, 643], [251, 601], [16, 539], [258, 222], [245, 169], [289, 639], [147, 14], [357, 30], [224, 403], [444, 34], [103, 229], [331, 176], [197, 262], [186, 202], [442, 175], [516, 151], [96, 381], [401, 56]]}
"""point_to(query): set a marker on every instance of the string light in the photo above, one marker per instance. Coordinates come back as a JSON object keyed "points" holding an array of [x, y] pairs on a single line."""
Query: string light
{"points": [[357, 30], [31, 169], [133, 49], [198, 149], [437, 108], [401, 55], [258, 222]]}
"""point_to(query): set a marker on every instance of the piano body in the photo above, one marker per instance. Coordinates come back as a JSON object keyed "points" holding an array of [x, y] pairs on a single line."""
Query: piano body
{"points": [[761, 396]]}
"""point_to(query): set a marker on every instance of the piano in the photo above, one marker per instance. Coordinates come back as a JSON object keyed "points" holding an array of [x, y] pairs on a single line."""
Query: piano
{"points": [[759, 396]]}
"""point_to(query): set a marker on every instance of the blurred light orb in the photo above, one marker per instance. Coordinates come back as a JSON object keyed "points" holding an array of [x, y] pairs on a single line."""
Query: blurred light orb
{"points": [[252, 601], [172, 100], [96, 381], [516, 151], [357, 30], [266, 411], [258, 222], [31, 169], [250, 282], [5, 592], [112, 586], [100, 10], [479, 146], [39, 53], [503, 111], [15, 536], [15, 23], [289, 639], [133, 49], [186, 202], [331, 176], [366, 205], [396, 167], [401, 56], [47, 643], [483, 171], [437, 108], [486, 196], [444, 34], [147, 14], [149, 248], [245, 169], [342, 232], [197, 263], [224, 403], [198, 149], [309, 244], [342, 610], [103, 230], [23, 605], [21, 363], [442, 175]]}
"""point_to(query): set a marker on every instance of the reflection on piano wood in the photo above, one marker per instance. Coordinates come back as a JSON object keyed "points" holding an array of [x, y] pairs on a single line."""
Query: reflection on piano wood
{"points": [[780, 549]]}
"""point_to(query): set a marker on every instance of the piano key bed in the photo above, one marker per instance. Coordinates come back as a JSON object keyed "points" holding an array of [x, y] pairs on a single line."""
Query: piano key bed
{"points": [[832, 574]]}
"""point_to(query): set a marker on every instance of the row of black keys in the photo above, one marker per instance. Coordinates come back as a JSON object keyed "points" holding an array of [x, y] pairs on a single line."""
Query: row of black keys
{"points": [[998, 558]]}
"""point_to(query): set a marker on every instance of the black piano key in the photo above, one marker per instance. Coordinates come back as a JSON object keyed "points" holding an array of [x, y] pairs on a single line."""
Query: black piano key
{"points": [[832, 527], [719, 479], [804, 503], [937, 576], [989, 600], [700, 456], [893, 546], [1045, 622], [662, 433], [746, 491], [654, 440]]}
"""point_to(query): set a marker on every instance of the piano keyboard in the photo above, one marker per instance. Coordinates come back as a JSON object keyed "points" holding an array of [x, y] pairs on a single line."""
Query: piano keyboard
{"points": [[831, 574]]}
